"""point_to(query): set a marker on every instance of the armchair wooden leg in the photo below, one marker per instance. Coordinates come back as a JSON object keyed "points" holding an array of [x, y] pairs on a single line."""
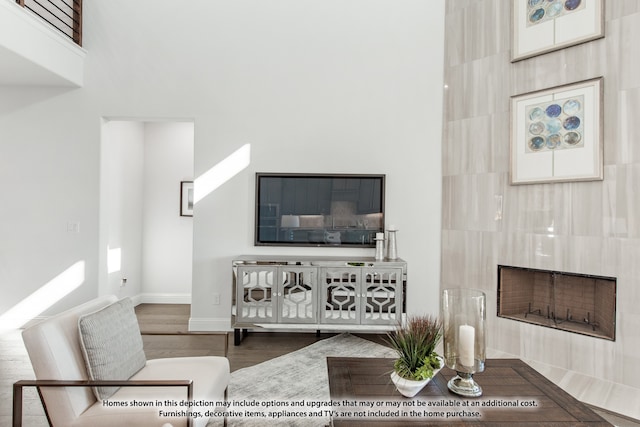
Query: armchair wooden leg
{"points": [[17, 405], [226, 399], [19, 385], [18, 399], [44, 406]]}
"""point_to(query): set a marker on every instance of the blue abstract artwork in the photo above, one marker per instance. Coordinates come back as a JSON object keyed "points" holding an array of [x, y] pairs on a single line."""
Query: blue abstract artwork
{"points": [[539, 11], [555, 125]]}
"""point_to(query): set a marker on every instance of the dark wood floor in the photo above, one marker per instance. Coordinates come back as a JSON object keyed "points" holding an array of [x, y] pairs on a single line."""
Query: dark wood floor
{"points": [[165, 334]]}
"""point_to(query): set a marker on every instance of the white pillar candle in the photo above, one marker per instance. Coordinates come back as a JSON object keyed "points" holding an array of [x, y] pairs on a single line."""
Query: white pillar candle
{"points": [[466, 345]]}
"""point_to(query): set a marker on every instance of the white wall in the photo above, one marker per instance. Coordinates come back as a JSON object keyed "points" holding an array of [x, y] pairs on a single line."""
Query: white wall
{"points": [[167, 242], [320, 85], [49, 176], [121, 208], [331, 86]]}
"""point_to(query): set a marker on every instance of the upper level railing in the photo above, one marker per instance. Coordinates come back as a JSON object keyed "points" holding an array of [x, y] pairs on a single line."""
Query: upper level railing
{"points": [[64, 15]]}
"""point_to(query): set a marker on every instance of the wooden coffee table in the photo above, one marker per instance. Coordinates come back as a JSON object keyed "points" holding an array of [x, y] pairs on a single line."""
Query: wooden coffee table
{"points": [[505, 382]]}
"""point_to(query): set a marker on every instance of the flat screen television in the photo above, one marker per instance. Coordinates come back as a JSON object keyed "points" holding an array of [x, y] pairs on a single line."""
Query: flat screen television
{"points": [[318, 209]]}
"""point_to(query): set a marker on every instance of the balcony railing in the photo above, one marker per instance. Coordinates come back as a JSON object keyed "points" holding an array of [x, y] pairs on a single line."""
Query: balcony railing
{"points": [[64, 15]]}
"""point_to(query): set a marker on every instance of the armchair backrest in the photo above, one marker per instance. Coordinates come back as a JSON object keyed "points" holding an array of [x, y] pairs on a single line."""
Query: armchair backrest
{"points": [[54, 349]]}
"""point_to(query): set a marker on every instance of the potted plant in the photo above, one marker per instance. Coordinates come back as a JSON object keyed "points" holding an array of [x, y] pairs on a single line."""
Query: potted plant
{"points": [[415, 342]]}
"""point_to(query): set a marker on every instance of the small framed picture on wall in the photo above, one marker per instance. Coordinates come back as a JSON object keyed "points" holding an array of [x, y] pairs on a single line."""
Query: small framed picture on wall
{"points": [[186, 198]]}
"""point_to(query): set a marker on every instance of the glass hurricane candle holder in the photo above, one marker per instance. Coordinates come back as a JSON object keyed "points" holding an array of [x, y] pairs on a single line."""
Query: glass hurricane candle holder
{"points": [[464, 322]]}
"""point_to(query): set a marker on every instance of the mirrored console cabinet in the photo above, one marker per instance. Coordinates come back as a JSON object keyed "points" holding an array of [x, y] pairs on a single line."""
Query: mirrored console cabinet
{"points": [[317, 293]]}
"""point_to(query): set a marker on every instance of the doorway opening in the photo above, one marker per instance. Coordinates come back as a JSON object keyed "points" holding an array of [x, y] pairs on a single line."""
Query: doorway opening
{"points": [[143, 164]]}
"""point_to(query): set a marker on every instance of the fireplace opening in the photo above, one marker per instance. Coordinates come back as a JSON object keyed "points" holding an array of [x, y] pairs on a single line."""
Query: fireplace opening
{"points": [[578, 303]]}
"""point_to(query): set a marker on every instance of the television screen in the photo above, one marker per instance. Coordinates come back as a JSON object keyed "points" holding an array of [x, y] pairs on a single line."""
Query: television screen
{"points": [[318, 209]]}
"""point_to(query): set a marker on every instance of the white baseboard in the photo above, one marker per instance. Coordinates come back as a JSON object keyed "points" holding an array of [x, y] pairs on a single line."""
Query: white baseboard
{"points": [[161, 299], [209, 324], [148, 298]]}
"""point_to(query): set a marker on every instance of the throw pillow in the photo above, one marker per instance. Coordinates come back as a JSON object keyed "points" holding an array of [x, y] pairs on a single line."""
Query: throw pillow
{"points": [[111, 344]]}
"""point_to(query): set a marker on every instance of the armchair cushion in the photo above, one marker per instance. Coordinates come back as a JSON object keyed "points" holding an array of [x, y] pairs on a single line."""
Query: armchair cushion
{"points": [[111, 344]]}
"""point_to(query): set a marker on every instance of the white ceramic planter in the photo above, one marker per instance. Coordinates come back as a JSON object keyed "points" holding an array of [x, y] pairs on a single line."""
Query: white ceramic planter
{"points": [[409, 388]]}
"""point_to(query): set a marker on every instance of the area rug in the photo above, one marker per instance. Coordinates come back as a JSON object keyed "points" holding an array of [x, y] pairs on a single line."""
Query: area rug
{"points": [[297, 378]]}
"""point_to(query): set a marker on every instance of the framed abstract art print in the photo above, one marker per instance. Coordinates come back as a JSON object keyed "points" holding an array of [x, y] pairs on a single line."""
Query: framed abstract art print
{"points": [[556, 134], [541, 26]]}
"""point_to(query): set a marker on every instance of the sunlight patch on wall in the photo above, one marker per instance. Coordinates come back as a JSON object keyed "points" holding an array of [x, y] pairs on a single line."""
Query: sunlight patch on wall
{"points": [[206, 183], [114, 259], [46, 296]]}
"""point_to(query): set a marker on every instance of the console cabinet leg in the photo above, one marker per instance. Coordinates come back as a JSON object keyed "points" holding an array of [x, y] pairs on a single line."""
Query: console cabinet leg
{"points": [[238, 335]]}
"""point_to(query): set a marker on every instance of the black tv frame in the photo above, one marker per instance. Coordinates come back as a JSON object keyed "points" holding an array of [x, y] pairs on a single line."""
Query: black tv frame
{"points": [[367, 234]]}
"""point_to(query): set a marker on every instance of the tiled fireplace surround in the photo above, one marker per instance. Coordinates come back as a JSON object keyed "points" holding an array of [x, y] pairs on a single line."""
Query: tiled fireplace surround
{"points": [[591, 228]]}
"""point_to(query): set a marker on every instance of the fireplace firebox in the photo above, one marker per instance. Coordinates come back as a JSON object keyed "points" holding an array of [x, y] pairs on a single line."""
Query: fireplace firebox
{"points": [[578, 303]]}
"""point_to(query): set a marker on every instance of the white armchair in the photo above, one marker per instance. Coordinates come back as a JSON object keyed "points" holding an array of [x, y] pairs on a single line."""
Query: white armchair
{"points": [[65, 388]]}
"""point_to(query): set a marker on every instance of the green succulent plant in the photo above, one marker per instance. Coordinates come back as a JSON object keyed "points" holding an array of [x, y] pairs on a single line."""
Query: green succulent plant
{"points": [[415, 342]]}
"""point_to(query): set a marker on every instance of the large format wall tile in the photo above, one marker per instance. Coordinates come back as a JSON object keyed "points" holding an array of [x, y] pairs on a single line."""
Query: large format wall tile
{"points": [[580, 227]]}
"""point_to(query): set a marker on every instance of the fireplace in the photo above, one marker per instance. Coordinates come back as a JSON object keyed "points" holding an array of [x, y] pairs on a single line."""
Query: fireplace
{"points": [[578, 303]]}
